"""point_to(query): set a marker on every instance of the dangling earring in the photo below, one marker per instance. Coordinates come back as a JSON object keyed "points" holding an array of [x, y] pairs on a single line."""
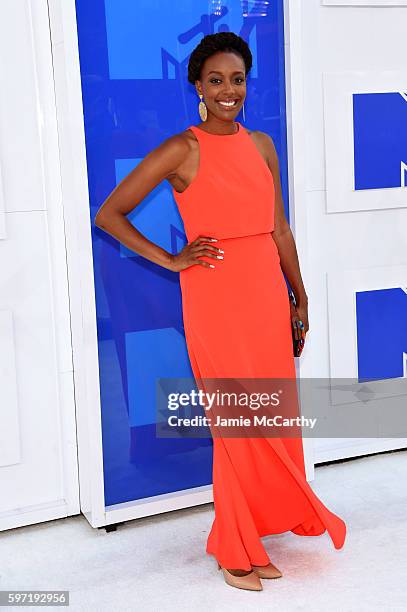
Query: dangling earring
{"points": [[203, 111], [244, 116]]}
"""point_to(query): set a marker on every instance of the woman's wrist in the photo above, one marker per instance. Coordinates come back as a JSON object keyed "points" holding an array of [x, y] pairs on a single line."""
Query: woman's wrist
{"points": [[301, 299], [169, 261]]}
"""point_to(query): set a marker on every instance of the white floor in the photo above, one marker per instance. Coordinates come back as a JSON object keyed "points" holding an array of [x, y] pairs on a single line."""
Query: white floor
{"points": [[160, 563]]}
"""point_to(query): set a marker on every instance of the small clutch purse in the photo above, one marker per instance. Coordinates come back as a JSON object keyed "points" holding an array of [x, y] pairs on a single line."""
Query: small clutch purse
{"points": [[298, 344]]}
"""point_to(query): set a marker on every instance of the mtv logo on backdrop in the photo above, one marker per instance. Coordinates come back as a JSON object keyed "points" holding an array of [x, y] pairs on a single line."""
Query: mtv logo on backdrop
{"points": [[380, 140], [381, 333], [165, 41]]}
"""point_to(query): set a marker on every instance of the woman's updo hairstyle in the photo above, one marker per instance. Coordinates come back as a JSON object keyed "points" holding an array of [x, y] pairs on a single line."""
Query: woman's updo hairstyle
{"points": [[212, 43]]}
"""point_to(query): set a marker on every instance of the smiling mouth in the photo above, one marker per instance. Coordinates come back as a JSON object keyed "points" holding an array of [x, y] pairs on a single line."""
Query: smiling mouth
{"points": [[227, 103]]}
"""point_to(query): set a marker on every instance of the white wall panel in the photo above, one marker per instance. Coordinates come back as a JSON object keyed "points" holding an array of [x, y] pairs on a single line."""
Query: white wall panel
{"points": [[2, 209], [367, 3], [20, 111], [38, 462], [361, 243], [10, 443], [80, 259], [26, 290]]}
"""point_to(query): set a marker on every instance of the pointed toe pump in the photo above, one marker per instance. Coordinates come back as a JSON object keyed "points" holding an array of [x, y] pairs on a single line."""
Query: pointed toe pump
{"points": [[250, 582], [267, 571]]}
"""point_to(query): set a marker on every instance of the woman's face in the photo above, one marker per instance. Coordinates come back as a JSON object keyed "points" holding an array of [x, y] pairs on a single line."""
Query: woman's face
{"points": [[223, 79]]}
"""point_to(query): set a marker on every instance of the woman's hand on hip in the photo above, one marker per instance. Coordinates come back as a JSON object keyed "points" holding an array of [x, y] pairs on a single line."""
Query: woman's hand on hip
{"points": [[191, 253]]}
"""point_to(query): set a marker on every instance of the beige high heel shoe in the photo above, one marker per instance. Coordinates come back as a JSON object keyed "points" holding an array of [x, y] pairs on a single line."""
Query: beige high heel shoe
{"points": [[267, 571], [250, 582]]}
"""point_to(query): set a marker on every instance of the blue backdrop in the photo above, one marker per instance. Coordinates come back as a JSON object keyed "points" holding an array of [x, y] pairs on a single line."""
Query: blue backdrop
{"points": [[133, 58]]}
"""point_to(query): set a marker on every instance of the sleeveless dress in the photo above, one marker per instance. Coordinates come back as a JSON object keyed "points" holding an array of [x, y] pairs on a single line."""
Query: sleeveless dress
{"points": [[237, 325]]}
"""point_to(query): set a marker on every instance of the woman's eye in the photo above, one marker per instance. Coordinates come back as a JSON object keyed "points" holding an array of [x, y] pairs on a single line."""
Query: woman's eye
{"points": [[238, 79]]}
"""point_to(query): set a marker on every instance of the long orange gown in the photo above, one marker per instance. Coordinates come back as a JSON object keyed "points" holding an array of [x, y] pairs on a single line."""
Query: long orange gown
{"points": [[237, 324]]}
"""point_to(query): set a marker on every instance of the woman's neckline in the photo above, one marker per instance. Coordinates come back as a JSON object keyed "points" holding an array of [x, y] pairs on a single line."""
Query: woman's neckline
{"points": [[239, 129]]}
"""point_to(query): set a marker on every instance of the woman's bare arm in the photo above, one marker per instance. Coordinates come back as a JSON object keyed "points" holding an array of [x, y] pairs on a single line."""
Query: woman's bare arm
{"points": [[282, 233], [160, 164], [284, 240]]}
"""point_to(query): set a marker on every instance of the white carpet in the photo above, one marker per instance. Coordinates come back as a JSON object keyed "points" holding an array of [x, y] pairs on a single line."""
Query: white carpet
{"points": [[159, 563]]}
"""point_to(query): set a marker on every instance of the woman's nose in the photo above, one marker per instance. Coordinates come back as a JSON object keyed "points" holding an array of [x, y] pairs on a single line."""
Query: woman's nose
{"points": [[229, 91]]}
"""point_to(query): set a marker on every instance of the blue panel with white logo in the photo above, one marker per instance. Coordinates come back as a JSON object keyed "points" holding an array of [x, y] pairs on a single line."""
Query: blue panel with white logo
{"points": [[133, 59], [381, 333], [380, 140]]}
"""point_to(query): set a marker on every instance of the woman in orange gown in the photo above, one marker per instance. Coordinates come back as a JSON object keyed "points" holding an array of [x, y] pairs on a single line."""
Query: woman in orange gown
{"points": [[237, 315], [237, 325], [237, 322]]}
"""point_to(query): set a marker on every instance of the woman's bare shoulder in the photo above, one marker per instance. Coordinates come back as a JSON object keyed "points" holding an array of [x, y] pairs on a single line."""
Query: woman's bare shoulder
{"points": [[263, 138], [265, 143], [170, 153], [181, 139], [178, 146]]}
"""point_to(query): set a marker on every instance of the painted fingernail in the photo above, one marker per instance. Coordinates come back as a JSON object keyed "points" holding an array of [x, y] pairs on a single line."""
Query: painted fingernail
{"points": [[220, 251], [214, 240], [219, 256], [211, 265]]}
